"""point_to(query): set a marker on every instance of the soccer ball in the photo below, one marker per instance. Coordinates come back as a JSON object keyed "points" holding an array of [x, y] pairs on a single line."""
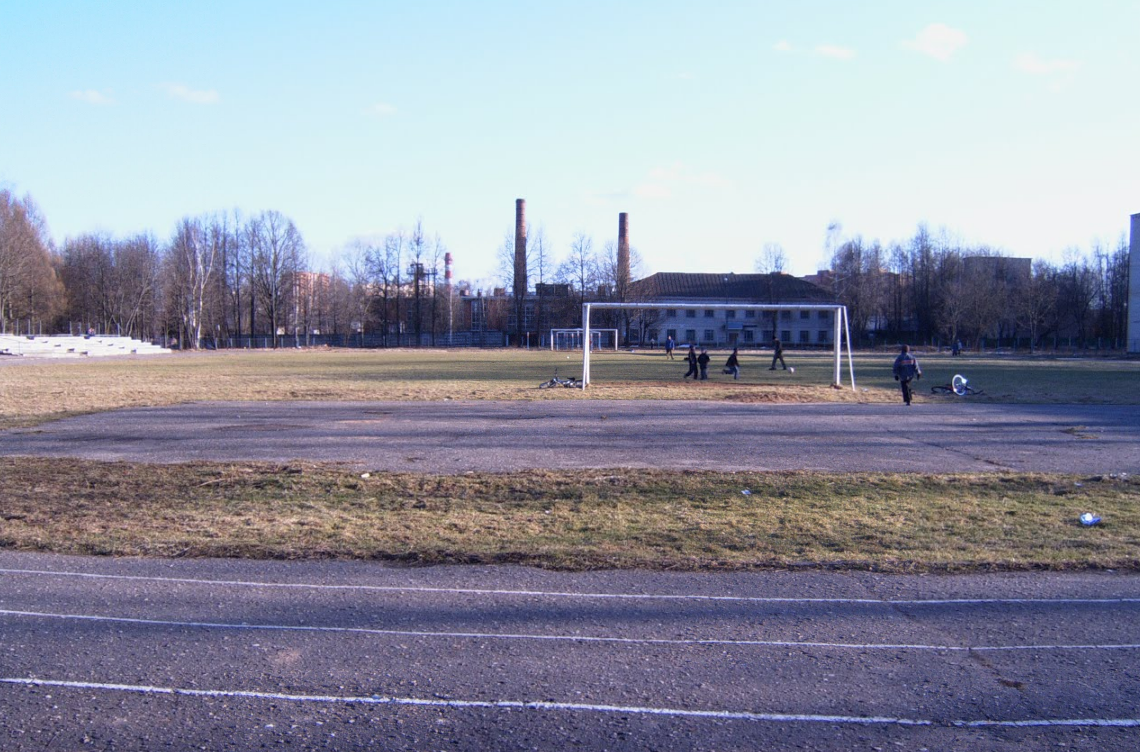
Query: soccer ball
{"points": [[791, 370]]}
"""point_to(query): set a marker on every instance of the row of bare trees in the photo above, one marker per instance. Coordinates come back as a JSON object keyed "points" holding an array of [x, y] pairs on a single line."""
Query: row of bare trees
{"points": [[219, 277], [934, 289], [399, 289], [220, 280]]}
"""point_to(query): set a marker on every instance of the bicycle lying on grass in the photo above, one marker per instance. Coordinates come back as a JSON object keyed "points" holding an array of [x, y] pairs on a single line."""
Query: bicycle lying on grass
{"points": [[959, 385], [570, 383]]}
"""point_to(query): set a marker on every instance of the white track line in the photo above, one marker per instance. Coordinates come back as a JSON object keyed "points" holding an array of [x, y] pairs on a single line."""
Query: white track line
{"points": [[563, 594], [555, 638], [721, 715]]}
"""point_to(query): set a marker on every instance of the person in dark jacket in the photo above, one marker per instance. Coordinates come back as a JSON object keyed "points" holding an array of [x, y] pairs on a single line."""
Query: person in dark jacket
{"points": [[906, 368], [733, 365], [691, 358], [777, 354], [703, 362], [669, 347]]}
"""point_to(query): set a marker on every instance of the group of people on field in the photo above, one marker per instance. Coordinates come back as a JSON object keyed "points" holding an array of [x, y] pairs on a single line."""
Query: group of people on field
{"points": [[699, 364], [906, 368]]}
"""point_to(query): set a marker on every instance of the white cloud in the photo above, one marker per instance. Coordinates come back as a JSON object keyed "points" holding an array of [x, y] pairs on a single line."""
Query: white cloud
{"points": [[382, 109], [938, 41], [1035, 65], [834, 51], [91, 96], [782, 46], [192, 96]]}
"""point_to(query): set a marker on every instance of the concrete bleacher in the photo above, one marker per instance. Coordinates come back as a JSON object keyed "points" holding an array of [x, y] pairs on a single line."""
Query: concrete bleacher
{"points": [[66, 346]]}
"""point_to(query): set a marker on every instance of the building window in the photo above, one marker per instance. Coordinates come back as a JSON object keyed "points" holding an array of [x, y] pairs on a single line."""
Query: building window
{"points": [[671, 313], [786, 335], [691, 336], [805, 337], [710, 313], [825, 315], [768, 315], [750, 314], [821, 336], [671, 333], [804, 315], [690, 314], [730, 314], [710, 335], [785, 315], [749, 335]]}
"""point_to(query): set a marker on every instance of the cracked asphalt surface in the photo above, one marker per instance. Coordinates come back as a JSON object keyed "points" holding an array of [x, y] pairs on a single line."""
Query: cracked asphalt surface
{"points": [[452, 437], [146, 654]]}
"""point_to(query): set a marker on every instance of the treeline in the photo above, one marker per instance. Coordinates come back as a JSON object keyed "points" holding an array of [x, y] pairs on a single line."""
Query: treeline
{"points": [[218, 277], [225, 279], [932, 289]]}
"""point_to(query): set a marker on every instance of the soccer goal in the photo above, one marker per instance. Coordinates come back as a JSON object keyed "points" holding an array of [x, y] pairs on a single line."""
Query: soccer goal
{"points": [[841, 333], [572, 339]]}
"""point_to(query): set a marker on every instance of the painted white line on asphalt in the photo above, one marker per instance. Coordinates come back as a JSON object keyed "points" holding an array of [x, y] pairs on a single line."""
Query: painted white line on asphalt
{"points": [[573, 707], [564, 594], [554, 638]]}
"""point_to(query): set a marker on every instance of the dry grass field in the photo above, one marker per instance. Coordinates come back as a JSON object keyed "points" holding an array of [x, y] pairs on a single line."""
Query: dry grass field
{"points": [[684, 520]]}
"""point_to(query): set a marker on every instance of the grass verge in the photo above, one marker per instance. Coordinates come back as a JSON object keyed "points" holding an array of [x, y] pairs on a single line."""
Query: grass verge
{"points": [[580, 520]]}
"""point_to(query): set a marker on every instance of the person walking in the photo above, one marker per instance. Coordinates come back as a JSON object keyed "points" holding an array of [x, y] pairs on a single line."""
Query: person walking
{"points": [[777, 354], [692, 360], [703, 362], [733, 365], [669, 345], [906, 368]]}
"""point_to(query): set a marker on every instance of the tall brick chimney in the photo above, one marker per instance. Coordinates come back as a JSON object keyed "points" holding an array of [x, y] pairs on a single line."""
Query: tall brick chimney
{"points": [[520, 281], [623, 253]]}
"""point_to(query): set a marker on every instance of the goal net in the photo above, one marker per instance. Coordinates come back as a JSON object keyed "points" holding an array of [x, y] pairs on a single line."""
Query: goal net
{"points": [[572, 339]]}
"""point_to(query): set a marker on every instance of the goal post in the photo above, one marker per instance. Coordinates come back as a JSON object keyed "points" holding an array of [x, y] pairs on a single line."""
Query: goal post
{"points": [[842, 327], [572, 339]]}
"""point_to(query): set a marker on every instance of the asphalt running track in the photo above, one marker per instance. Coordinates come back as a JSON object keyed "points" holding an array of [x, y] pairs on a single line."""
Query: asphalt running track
{"points": [[146, 654], [452, 437], [156, 654]]}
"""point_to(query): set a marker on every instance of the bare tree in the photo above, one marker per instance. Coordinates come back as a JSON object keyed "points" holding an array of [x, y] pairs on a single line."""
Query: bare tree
{"points": [[191, 259], [278, 254], [580, 268], [29, 286], [772, 259], [137, 264], [1036, 303]]}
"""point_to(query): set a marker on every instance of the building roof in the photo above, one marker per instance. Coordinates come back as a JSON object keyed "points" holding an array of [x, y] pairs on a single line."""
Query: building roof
{"points": [[744, 288]]}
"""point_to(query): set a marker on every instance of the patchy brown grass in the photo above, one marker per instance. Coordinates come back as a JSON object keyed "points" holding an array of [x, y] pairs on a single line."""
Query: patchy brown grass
{"points": [[579, 520], [35, 391]]}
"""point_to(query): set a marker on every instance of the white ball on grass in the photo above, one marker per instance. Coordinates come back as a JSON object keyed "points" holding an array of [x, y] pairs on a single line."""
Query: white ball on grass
{"points": [[791, 370]]}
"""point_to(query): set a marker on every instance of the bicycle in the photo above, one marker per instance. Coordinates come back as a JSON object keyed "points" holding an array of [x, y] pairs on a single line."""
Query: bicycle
{"points": [[570, 383], [959, 385]]}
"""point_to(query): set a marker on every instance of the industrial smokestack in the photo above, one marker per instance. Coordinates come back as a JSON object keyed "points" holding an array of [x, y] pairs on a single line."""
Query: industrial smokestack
{"points": [[623, 253], [447, 268], [520, 268]]}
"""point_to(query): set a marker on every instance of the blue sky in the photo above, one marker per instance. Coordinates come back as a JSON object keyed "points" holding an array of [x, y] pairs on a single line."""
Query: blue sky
{"points": [[718, 126]]}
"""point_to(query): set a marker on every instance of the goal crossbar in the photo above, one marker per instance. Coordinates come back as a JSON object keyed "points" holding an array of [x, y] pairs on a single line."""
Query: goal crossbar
{"points": [[841, 323]]}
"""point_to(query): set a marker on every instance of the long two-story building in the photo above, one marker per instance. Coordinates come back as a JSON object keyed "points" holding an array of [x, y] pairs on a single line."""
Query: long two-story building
{"points": [[729, 327]]}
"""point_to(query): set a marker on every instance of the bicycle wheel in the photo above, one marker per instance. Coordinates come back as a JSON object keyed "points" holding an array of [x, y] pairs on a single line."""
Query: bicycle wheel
{"points": [[548, 384], [959, 384]]}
